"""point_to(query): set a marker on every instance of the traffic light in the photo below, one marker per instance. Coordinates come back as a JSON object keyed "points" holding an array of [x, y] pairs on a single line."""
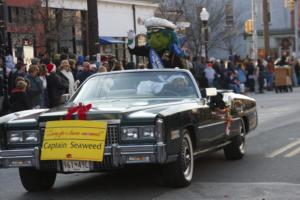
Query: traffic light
{"points": [[248, 26], [289, 4]]}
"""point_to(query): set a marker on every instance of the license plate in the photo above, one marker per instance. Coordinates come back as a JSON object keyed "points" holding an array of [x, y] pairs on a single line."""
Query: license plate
{"points": [[76, 166]]}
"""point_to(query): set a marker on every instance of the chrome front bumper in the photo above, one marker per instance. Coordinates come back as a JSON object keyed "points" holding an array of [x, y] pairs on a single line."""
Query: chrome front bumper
{"points": [[120, 155]]}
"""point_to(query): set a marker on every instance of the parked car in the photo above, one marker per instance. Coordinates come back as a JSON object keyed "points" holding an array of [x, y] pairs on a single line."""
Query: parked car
{"points": [[152, 116]]}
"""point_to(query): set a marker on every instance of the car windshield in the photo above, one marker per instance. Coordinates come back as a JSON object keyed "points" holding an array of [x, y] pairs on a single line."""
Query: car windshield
{"points": [[140, 84]]}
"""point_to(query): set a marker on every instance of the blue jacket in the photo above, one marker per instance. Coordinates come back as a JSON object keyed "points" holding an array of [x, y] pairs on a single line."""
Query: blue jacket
{"points": [[242, 76]]}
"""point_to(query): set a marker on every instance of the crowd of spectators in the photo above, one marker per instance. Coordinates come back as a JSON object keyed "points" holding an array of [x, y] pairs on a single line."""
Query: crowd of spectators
{"points": [[44, 81], [242, 75]]}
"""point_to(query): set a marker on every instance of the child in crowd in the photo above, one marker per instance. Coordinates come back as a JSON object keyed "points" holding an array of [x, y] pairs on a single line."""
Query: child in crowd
{"points": [[18, 99]]}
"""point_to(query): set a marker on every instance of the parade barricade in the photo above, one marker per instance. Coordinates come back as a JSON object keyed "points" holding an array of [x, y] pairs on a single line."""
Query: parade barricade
{"points": [[283, 80]]}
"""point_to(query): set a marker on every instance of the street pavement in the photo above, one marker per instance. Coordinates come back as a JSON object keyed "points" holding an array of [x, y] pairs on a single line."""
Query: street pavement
{"points": [[269, 170]]}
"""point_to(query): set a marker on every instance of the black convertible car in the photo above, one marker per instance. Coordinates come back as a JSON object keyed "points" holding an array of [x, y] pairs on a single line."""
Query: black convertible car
{"points": [[148, 116]]}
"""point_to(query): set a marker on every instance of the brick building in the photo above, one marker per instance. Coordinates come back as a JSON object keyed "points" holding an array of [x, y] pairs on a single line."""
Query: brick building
{"points": [[25, 31], [55, 26]]}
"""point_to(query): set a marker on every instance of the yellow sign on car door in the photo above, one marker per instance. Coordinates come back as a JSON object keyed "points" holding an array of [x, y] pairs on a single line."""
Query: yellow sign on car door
{"points": [[74, 140]]}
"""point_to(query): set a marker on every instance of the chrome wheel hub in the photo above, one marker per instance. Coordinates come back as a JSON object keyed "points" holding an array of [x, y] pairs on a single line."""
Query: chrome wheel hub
{"points": [[187, 159], [242, 146]]}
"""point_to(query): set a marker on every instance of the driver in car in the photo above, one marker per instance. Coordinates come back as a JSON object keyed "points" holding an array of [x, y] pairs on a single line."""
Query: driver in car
{"points": [[175, 86]]}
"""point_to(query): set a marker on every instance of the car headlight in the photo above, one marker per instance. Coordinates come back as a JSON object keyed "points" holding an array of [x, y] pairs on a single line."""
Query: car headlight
{"points": [[129, 133], [134, 133], [22, 137], [147, 133]]}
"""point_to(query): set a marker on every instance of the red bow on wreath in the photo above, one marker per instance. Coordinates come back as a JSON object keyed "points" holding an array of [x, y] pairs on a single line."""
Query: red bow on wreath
{"points": [[228, 122], [81, 111]]}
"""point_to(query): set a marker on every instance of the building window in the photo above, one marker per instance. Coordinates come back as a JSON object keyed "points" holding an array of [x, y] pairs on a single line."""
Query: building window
{"points": [[21, 15], [229, 14]]}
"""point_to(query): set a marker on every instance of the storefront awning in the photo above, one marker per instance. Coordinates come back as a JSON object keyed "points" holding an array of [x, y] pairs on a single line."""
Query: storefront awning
{"points": [[109, 40]]}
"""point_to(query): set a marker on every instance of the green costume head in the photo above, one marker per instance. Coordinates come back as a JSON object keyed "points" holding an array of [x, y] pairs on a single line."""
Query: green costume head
{"points": [[160, 34], [161, 39]]}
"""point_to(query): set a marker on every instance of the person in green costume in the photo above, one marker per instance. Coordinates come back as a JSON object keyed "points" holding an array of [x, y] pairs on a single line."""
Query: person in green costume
{"points": [[162, 46]]}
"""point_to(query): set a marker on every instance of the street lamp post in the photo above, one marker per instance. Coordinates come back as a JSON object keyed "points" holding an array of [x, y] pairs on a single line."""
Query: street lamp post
{"points": [[296, 16], [204, 16], [254, 34]]}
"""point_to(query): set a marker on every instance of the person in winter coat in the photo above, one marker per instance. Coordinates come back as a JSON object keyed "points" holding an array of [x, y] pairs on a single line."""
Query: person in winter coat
{"points": [[35, 87], [251, 75], [57, 86], [282, 62], [210, 74], [271, 73], [261, 75], [234, 83], [73, 67], [85, 73], [242, 78], [66, 73], [42, 75], [21, 72], [18, 98]]}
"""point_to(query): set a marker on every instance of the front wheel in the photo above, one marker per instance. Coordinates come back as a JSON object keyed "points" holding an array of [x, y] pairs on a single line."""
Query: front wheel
{"points": [[35, 180], [180, 173], [237, 148]]}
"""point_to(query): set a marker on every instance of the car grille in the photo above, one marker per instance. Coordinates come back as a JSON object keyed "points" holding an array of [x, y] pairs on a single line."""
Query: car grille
{"points": [[112, 136]]}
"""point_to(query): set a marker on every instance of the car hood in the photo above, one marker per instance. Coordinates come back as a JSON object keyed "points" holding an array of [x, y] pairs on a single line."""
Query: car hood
{"points": [[127, 109]]}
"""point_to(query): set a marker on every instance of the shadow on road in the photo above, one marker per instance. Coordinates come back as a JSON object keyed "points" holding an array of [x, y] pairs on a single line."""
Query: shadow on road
{"points": [[141, 182], [131, 183]]}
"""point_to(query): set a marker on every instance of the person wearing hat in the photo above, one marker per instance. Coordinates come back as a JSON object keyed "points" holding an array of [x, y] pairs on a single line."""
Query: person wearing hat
{"points": [[162, 46], [56, 86], [210, 74]]}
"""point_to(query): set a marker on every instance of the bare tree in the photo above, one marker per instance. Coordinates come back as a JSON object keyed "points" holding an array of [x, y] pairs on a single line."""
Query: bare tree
{"points": [[171, 10], [42, 14], [221, 36], [228, 34], [55, 21]]}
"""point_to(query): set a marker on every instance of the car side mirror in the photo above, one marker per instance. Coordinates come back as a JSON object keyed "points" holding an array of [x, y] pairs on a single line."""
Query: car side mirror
{"points": [[211, 92], [64, 98]]}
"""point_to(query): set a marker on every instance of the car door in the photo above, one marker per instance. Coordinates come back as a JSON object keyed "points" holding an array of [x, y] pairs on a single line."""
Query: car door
{"points": [[211, 126]]}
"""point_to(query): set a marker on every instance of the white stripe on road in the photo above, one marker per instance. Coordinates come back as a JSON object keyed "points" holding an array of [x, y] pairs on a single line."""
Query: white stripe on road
{"points": [[283, 149], [293, 153]]}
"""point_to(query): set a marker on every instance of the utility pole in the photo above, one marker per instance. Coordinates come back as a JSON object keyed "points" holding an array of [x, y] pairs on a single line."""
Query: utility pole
{"points": [[296, 14], [254, 34], [47, 29], [93, 31], [134, 57], [3, 48], [266, 20]]}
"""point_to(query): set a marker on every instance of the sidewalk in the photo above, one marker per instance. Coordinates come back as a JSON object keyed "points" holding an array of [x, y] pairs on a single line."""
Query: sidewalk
{"points": [[277, 96]]}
